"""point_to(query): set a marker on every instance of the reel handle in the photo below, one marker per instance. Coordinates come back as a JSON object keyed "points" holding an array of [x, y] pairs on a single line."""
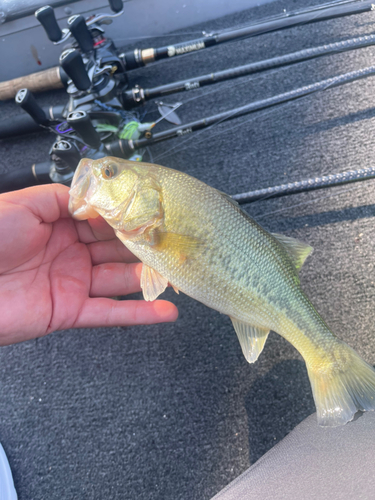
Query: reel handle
{"points": [[82, 124], [26, 100], [46, 17], [72, 63], [116, 5], [68, 152], [81, 33]]}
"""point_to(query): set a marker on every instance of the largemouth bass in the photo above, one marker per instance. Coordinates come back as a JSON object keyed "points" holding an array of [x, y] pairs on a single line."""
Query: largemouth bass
{"points": [[198, 239]]}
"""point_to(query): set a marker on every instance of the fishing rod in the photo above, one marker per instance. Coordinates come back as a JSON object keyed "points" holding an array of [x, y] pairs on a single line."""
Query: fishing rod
{"points": [[138, 96], [141, 57], [95, 115], [22, 124], [123, 147], [66, 152], [307, 185], [55, 78]]}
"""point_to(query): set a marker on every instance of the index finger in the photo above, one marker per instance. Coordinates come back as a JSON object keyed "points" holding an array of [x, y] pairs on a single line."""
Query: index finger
{"points": [[48, 202]]}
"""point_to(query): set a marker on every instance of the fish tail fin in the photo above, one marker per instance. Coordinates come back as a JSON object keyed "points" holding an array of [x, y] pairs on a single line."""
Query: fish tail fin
{"points": [[342, 386]]}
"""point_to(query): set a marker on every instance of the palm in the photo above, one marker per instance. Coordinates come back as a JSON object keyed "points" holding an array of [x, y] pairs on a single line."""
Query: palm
{"points": [[55, 272]]}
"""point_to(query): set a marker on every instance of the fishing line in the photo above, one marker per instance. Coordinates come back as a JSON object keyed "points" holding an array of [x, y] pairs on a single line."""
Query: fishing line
{"points": [[219, 36], [292, 14], [223, 88], [329, 85], [210, 127], [230, 83], [334, 81], [150, 154], [262, 114], [256, 69], [285, 14]]}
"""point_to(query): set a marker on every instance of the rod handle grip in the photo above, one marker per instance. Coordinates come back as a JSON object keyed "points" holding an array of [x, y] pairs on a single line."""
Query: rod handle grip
{"points": [[46, 17], [36, 82]]}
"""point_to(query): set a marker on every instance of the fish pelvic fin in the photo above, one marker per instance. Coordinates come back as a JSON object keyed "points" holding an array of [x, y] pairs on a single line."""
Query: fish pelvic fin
{"points": [[297, 250], [342, 387], [252, 339], [152, 283]]}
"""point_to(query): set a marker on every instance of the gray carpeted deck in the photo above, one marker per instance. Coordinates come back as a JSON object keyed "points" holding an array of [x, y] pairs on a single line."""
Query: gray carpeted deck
{"points": [[174, 411]]}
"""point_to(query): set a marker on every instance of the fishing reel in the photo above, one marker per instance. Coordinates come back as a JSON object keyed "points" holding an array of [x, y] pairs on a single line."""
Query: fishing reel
{"points": [[77, 136], [93, 123], [78, 27], [93, 67], [94, 77]]}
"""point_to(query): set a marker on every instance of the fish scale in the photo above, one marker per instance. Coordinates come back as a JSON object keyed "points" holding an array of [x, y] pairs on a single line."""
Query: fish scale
{"points": [[200, 241]]}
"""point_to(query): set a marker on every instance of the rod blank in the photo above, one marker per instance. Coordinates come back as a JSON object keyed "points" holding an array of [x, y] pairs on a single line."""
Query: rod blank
{"points": [[306, 185]]}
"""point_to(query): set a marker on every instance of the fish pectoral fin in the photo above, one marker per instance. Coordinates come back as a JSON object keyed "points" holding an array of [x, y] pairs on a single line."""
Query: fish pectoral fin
{"points": [[152, 283], [252, 339], [297, 250], [184, 245]]}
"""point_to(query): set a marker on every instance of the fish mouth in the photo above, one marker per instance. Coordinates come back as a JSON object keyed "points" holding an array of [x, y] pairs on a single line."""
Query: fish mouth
{"points": [[79, 207]]}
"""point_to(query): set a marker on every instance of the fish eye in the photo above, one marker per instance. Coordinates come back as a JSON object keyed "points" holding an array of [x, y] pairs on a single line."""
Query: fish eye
{"points": [[110, 171]]}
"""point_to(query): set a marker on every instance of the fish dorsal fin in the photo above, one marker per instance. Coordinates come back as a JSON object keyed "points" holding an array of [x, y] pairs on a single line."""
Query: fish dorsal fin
{"points": [[252, 339], [152, 283], [296, 249]]}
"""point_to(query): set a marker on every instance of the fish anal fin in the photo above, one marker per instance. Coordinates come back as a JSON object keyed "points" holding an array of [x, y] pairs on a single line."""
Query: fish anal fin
{"points": [[252, 339], [152, 283], [297, 250]]}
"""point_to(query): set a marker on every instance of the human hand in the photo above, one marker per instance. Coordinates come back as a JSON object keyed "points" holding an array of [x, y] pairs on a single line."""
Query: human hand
{"points": [[55, 272]]}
